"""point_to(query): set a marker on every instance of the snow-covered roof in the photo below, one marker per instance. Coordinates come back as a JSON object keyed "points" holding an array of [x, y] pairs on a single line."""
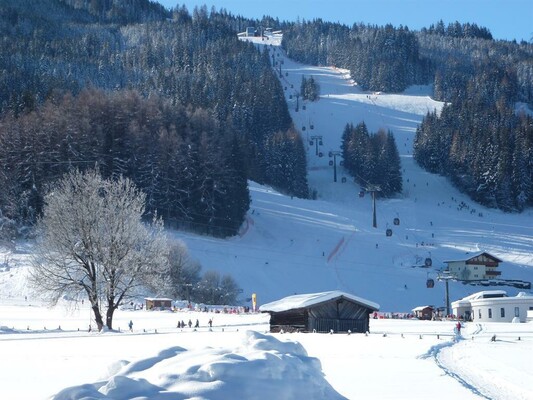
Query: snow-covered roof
{"points": [[497, 296], [420, 308], [469, 256], [486, 294], [157, 298], [305, 300]]}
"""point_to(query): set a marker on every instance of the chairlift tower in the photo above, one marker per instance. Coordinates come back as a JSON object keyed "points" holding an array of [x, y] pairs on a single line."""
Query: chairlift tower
{"points": [[318, 140], [372, 189], [446, 276], [334, 154]]}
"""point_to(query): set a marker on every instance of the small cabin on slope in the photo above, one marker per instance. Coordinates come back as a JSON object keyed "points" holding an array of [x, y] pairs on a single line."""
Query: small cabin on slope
{"points": [[320, 312]]}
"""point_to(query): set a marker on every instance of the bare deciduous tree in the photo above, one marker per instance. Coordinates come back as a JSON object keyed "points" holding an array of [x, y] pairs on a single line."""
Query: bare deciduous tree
{"points": [[217, 289], [92, 243], [184, 271]]}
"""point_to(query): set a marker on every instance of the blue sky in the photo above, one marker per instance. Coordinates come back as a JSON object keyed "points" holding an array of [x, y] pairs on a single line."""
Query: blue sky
{"points": [[506, 19]]}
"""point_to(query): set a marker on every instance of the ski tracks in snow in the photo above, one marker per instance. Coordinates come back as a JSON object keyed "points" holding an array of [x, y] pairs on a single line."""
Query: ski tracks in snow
{"points": [[484, 378], [434, 352]]}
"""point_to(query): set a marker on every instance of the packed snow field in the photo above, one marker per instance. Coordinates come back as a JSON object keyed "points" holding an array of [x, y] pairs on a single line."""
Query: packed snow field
{"points": [[44, 355], [287, 246]]}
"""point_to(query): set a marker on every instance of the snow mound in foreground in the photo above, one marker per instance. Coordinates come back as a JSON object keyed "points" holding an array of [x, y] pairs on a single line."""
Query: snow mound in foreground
{"points": [[261, 368]]}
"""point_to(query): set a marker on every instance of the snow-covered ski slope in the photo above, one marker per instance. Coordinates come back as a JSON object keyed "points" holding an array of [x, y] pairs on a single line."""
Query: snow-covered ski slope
{"points": [[289, 245]]}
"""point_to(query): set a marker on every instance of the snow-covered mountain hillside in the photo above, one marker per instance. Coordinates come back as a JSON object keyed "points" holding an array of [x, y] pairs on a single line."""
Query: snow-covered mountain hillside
{"points": [[290, 245]]}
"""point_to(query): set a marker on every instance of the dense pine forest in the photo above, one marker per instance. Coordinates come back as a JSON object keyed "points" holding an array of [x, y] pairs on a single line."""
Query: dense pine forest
{"points": [[480, 141], [372, 158], [171, 99]]}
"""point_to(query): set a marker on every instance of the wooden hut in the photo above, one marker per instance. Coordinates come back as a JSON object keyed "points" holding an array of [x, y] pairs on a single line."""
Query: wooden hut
{"points": [[157, 303], [320, 312], [424, 312]]}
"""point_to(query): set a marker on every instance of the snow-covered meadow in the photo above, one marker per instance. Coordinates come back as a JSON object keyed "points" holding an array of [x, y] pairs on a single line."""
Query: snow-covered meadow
{"points": [[399, 359], [286, 246]]}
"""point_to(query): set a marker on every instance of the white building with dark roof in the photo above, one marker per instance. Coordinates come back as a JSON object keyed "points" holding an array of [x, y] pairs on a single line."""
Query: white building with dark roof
{"points": [[477, 266]]}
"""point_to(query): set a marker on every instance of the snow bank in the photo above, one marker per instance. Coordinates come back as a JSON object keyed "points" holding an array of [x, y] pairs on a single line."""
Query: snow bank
{"points": [[262, 367]]}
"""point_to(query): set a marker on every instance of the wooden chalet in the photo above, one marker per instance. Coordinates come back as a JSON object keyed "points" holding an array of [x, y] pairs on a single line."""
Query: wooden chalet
{"points": [[320, 312], [424, 312], [158, 303], [475, 266]]}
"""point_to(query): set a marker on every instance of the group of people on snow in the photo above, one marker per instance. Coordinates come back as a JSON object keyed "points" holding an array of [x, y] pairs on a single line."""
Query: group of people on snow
{"points": [[181, 324]]}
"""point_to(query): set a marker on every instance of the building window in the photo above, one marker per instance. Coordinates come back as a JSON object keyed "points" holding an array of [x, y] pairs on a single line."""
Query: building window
{"points": [[479, 313], [517, 311], [475, 267], [502, 312], [490, 312]]}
